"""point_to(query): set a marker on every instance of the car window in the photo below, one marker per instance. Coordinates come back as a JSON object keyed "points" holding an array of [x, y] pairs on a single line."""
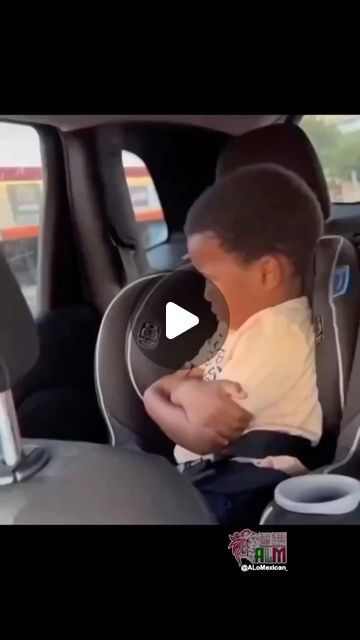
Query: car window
{"points": [[337, 142], [21, 204], [145, 201]]}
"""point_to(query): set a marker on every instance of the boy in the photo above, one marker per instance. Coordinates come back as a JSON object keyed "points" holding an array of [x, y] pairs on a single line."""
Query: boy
{"points": [[252, 235]]}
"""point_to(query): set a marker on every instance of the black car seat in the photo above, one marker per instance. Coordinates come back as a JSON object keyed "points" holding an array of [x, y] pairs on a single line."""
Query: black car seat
{"points": [[333, 288], [56, 399]]}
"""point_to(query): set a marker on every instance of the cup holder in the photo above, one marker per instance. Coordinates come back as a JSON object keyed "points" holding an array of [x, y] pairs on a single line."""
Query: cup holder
{"points": [[324, 494]]}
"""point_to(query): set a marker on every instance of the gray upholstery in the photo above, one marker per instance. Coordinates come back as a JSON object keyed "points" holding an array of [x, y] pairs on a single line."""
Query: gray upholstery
{"points": [[336, 319], [123, 372], [95, 484], [122, 408]]}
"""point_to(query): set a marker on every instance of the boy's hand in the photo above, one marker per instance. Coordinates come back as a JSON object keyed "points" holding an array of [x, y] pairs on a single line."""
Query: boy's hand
{"points": [[167, 384], [213, 406], [203, 417]]}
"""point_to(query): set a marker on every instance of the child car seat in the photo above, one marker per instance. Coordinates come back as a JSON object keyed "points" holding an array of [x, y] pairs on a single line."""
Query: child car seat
{"points": [[333, 288]]}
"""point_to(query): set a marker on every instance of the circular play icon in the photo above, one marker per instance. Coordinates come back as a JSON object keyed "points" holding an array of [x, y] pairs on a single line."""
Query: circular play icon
{"points": [[179, 319]]}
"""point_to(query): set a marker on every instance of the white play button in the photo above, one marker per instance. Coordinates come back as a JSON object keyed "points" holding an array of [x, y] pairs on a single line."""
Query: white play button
{"points": [[170, 322], [178, 320]]}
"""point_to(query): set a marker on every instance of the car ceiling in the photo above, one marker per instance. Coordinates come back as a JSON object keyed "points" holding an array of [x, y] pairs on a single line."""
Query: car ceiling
{"points": [[232, 124]]}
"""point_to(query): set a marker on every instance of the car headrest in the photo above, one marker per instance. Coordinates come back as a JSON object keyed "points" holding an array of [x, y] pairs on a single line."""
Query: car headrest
{"points": [[18, 337], [284, 144], [333, 289]]}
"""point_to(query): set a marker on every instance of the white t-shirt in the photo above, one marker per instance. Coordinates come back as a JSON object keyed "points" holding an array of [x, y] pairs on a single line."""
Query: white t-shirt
{"points": [[272, 356]]}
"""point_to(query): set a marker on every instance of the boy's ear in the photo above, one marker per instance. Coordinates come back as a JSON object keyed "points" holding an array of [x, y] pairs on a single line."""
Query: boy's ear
{"points": [[271, 271]]}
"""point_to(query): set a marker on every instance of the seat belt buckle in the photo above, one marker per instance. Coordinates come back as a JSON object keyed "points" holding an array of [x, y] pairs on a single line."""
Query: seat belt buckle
{"points": [[197, 469]]}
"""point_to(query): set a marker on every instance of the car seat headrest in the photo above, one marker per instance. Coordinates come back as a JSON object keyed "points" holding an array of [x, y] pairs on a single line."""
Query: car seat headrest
{"points": [[284, 144]]}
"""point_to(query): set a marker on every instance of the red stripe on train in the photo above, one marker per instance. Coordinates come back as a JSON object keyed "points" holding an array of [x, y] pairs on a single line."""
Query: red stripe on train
{"points": [[18, 233], [136, 172], [155, 215], [13, 174], [32, 231]]}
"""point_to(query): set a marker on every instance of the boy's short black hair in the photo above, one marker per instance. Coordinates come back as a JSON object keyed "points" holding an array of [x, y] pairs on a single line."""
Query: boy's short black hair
{"points": [[260, 210]]}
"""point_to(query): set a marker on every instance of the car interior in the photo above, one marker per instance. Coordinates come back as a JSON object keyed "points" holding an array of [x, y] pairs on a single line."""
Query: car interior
{"points": [[75, 395]]}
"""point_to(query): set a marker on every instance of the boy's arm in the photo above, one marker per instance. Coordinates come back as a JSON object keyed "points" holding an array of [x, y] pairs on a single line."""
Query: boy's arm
{"points": [[168, 384], [213, 405], [209, 418], [174, 422]]}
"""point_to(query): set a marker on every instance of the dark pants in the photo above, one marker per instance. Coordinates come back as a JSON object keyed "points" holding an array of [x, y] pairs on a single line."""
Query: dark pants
{"points": [[238, 492], [254, 490]]}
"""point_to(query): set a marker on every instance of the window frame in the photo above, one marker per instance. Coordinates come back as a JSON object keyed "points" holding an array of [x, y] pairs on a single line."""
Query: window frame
{"points": [[147, 206]]}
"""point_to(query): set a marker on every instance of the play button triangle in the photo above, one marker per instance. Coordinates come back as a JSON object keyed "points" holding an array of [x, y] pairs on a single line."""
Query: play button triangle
{"points": [[178, 320]]}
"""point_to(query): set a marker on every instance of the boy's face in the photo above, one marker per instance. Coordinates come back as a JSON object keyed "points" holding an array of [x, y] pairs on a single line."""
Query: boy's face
{"points": [[246, 287]]}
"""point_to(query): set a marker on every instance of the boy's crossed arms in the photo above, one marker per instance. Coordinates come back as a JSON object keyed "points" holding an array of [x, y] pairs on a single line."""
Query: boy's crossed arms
{"points": [[201, 416]]}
